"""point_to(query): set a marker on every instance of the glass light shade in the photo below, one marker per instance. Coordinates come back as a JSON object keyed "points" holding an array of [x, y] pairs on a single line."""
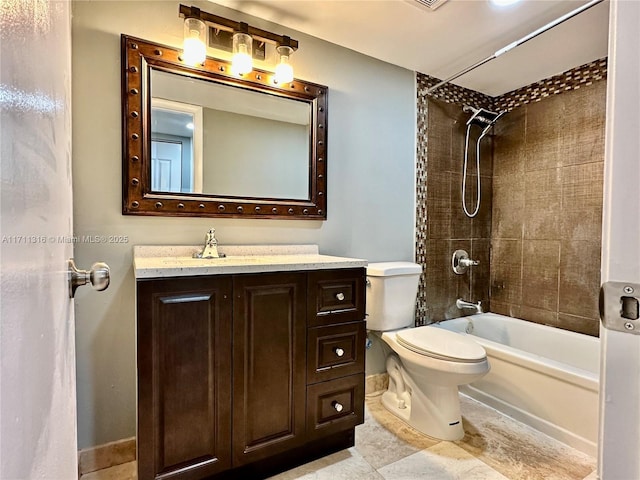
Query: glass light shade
{"points": [[195, 36], [242, 62], [284, 70]]}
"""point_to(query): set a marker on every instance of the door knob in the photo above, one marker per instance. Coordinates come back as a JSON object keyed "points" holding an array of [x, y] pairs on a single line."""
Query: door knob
{"points": [[98, 276], [338, 351]]}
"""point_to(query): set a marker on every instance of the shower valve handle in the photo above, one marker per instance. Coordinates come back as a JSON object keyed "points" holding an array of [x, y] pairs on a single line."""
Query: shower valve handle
{"points": [[467, 262], [460, 262]]}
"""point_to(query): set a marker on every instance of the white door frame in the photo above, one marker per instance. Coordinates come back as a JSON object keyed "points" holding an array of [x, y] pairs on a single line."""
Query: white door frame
{"points": [[619, 436]]}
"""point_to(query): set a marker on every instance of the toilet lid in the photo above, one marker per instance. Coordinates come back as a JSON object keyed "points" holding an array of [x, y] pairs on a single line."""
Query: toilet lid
{"points": [[442, 344]]}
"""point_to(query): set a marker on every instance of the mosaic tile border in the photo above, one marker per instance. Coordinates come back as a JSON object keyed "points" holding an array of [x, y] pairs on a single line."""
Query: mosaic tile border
{"points": [[421, 203], [572, 79], [451, 93]]}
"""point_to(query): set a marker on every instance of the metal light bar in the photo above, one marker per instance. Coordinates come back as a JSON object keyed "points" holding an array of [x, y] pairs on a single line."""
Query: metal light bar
{"points": [[517, 43], [231, 25]]}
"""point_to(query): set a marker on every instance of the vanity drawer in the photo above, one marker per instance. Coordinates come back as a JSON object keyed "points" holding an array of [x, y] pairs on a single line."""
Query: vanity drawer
{"points": [[336, 296], [335, 351], [335, 405]]}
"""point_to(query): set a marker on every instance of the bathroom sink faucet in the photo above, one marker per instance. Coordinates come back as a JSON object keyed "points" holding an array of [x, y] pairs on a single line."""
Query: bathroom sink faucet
{"points": [[462, 304], [210, 249]]}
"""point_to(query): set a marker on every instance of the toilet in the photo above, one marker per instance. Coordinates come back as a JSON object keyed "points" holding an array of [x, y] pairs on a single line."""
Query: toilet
{"points": [[427, 363]]}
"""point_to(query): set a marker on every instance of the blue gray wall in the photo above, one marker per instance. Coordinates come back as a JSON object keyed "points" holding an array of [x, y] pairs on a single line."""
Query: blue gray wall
{"points": [[371, 163]]}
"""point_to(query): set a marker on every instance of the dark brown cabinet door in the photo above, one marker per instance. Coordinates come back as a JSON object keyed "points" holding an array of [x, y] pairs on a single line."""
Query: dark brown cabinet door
{"points": [[184, 377], [269, 359]]}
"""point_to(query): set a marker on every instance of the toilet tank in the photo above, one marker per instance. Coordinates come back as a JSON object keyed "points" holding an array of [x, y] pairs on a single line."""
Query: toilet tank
{"points": [[392, 288]]}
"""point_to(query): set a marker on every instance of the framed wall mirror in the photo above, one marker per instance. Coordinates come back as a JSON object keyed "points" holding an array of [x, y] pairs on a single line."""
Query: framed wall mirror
{"points": [[200, 141]]}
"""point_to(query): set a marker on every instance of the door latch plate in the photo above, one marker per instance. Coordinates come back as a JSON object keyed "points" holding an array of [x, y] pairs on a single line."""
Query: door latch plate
{"points": [[620, 306]]}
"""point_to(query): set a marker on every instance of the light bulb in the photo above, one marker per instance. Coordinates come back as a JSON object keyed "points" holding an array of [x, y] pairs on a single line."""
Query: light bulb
{"points": [[284, 70], [242, 62], [194, 49]]}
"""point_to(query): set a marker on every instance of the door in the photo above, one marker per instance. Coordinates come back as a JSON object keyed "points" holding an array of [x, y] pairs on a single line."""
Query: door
{"points": [[37, 377], [166, 166], [619, 439], [269, 364], [184, 377]]}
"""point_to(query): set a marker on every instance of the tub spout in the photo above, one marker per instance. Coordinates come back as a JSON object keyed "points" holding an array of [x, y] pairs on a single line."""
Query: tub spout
{"points": [[463, 304]]}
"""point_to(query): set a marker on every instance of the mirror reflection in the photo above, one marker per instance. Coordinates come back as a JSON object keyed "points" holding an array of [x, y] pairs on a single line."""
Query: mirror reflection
{"points": [[223, 140], [174, 158]]}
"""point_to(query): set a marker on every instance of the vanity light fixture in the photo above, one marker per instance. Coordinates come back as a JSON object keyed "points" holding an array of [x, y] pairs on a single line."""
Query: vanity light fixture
{"points": [[242, 60], [242, 40], [195, 39], [284, 70]]}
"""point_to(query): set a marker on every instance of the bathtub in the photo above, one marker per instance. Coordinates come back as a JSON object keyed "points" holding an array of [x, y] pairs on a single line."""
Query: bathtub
{"points": [[542, 376]]}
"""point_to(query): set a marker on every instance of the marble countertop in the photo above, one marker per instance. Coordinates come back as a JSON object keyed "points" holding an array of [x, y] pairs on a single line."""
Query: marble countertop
{"points": [[178, 261]]}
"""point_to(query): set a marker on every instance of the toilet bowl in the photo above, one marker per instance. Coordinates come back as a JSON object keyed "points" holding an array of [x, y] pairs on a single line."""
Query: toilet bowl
{"points": [[423, 390], [427, 364]]}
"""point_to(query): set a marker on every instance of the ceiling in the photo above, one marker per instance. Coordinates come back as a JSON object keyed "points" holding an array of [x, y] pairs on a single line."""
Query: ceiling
{"points": [[456, 35]]}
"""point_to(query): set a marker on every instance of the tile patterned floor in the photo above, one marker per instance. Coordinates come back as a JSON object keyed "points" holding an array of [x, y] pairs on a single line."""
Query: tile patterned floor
{"points": [[495, 447]]}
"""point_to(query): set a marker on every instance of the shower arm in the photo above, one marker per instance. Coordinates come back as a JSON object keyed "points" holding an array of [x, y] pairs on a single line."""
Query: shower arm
{"points": [[476, 114], [517, 43]]}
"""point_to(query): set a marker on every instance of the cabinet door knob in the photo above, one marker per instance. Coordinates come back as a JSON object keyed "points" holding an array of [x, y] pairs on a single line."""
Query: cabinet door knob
{"points": [[337, 406], [338, 351], [340, 296]]}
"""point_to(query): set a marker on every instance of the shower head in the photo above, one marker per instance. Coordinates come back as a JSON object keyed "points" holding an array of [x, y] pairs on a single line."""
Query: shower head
{"points": [[482, 117]]}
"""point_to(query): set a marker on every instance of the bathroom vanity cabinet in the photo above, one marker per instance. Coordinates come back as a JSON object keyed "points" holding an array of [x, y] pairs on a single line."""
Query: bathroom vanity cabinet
{"points": [[245, 374]]}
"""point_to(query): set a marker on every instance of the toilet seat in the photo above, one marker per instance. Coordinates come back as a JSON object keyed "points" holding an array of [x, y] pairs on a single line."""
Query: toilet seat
{"points": [[441, 344]]}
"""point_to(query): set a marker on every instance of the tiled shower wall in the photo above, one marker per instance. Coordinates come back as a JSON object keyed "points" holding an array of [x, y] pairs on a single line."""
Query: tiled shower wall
{"points": [[539, 226], [442, 226], [547, 209]]}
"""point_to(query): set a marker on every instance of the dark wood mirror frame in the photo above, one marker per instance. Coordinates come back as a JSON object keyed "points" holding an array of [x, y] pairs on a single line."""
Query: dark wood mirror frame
{"points": [[138, 58]]}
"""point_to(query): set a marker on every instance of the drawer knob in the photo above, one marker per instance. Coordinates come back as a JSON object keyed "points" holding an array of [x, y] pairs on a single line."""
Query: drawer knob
{"points": [[338, 351], [340, 296], [337, 406]]}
